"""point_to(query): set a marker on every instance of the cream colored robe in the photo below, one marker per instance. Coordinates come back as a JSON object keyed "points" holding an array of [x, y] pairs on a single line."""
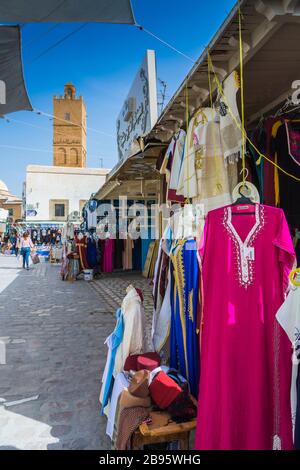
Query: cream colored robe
{"points": [[134, 329]]}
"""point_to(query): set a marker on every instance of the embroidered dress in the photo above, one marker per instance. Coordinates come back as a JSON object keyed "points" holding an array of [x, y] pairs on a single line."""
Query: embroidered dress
{"points": [[204, 177], [245, 355], [81, 245], [212, 175], [184, 342]]}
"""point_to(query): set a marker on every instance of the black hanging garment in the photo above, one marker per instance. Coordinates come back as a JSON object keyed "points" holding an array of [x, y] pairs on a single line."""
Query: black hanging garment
{"points": [[287, 148]]}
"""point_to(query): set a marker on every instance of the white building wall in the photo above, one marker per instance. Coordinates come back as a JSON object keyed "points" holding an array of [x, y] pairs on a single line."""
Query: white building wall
{"points": [[44, 183]]}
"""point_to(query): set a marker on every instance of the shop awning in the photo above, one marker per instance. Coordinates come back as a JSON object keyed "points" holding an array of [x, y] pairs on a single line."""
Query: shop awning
{"points": [[47, 11], [271, 36], [13, 95], [136, 177]]}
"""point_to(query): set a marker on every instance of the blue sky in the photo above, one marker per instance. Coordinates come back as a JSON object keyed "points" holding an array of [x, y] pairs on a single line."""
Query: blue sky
{"points": [[101, 60]]}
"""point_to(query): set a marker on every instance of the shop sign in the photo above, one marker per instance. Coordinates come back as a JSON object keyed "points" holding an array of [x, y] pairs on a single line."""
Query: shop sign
{"points": [[31, 213], [139, 112]]}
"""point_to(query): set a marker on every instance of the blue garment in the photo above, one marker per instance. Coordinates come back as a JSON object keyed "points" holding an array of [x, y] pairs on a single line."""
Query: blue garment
{"points": [[91, 253], [25, 252], [184, 340], [115, 339], [93, 205]]}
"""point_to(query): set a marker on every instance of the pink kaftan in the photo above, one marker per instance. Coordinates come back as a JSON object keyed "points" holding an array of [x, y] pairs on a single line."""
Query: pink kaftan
{"points": [[108, 250], [244, 395]]}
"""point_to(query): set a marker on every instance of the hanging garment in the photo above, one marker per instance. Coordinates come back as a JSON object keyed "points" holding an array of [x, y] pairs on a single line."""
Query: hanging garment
{"points": [[91, 212], [172, 164], [121, 382], [113, 342], [162, 320], [81, 247], [184, 341], [287, 148], [129, 421], [108, 253], [65, 262], [118, 254], [269, 168], [245, 356], [73, 269], [134, 328], [230, 122], [212, 175], [258, 139], [204, 177], [187, 182], [297, 429], [289, 318], [127, 254], [296, 241], [92, 253], [161, 293], [136, 258]]}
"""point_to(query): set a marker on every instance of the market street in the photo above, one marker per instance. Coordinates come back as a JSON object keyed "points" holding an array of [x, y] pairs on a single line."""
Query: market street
{"points": [[54, 334]]}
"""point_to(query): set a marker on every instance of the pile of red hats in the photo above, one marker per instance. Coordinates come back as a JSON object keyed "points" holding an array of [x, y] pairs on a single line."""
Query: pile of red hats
{"points": [[164, 390], [148, 361]]}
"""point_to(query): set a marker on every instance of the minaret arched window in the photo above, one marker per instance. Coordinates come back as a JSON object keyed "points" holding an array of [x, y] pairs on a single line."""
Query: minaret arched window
{"points": [[61, 156], [74, 160]]}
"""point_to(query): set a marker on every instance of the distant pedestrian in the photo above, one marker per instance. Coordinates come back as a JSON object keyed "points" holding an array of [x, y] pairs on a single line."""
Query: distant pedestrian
{"points": [[18, 245], [25, 246]]}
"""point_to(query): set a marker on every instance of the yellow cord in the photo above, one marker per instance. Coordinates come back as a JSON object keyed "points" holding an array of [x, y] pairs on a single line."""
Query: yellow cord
{"points": [[240, 127], [219, 184], [242, 93], [292, 277], [187, 127]]}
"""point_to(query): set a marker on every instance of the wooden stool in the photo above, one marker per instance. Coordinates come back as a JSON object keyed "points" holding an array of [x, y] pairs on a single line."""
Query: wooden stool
{"points": [[171, 432]]}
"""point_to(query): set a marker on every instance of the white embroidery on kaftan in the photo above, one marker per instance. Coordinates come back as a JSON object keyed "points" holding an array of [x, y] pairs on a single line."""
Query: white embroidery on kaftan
{"points": [[245, 257]]}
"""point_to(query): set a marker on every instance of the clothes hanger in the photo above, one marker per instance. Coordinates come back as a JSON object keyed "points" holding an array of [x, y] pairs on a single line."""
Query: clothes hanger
{"points": [[294, 275], [243, 199]]}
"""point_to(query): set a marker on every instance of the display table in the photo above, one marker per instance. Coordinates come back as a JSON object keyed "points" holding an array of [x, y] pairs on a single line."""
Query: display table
{"points": [[150, 434]]}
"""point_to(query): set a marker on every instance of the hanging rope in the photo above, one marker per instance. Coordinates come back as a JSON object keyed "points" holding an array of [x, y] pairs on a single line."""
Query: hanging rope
{"points": [[241, 127], [141, 28], [187, 126], [220, 89], [242, 92], [219, 184]]}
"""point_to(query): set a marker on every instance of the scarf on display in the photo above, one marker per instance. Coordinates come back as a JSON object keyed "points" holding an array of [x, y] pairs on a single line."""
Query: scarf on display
{"points": [[231, 134], [293, 138]]}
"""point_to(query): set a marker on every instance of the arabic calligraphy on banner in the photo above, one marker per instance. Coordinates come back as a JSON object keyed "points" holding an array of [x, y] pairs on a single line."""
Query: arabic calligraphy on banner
{"points": [[139, 112]]}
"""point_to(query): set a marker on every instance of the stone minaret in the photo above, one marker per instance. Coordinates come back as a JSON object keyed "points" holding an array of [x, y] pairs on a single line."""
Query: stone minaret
{"points": [[69, 129]]}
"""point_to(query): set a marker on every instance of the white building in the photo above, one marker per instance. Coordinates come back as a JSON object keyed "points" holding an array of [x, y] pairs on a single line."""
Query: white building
{"points": [[53, 192]]}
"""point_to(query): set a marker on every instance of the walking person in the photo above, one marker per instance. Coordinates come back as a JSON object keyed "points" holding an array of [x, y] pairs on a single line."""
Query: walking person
{"points": [[18, 245], [25, 247]]}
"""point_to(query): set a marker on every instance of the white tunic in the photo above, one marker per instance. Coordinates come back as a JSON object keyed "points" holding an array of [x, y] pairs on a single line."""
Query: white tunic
{"points": [[289, 318]]}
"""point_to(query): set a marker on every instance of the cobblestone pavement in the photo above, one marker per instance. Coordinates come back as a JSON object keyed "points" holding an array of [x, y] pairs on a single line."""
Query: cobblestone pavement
{"points": [[113, 288], [53, 334]]}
